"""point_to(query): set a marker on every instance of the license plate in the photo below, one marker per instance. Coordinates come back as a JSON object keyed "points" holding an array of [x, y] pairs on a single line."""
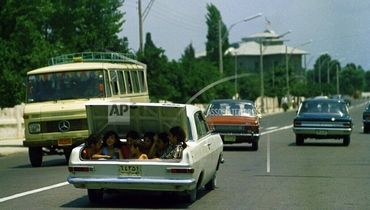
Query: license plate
{"points": [[322, 133], [65, 142], [229, 138], [129, 170]]}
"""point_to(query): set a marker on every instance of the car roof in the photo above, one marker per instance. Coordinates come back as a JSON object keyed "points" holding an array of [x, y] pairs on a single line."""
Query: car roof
{"points": [[324, 100], [231, 100]]}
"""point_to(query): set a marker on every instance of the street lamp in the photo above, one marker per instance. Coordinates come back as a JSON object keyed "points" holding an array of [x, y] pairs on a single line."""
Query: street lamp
{"points": [[221, 38], [287, 61]]}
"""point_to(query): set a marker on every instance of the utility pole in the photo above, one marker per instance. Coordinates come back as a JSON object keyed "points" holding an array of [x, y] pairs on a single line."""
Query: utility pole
{"points": [[141, 47], [287, 70], [337, 78], [221, 64], [328, 72], [261, 74]]}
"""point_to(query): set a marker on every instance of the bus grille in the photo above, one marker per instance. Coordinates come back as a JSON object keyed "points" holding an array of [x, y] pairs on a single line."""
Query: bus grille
{"points": [[53, 126]]}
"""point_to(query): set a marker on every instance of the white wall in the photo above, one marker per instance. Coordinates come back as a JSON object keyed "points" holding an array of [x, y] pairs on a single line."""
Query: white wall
{"points": [[11, 123]]}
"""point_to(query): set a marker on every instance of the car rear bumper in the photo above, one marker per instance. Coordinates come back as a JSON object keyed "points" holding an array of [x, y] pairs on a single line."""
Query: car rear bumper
{"points": [[133, 183], [317, 131]]}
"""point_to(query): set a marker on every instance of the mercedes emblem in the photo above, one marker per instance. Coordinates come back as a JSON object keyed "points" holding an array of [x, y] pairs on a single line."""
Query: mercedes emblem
{"points": [[64, 126]]}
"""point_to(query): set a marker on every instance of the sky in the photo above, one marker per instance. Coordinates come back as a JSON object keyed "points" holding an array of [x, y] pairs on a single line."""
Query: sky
{"points": [[340, 28]]}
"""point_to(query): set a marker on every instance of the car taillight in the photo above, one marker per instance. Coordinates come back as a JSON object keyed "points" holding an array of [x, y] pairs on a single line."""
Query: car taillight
{"points": [[180, 170], [73, 169]]}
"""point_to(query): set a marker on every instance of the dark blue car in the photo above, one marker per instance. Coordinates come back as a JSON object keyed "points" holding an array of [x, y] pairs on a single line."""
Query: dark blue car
{"points": [[323, 118], [366, 118]]}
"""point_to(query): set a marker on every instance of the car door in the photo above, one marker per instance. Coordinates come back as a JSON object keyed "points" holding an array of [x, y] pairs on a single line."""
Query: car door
{"points": [[209, 145]]}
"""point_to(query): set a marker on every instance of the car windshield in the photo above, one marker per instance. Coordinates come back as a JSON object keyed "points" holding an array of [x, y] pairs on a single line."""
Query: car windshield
{"points": [[323, 107], [232, 109], [64, 85]]}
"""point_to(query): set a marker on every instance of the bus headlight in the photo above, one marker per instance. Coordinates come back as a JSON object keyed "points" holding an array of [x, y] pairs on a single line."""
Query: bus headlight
{"points": [[34, 128]]}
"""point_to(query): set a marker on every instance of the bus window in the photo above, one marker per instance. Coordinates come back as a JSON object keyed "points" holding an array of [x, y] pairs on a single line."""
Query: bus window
{"points": [[114, 81], [121, 81], [107, 86], [142, 81], [135, 81], [63, 85], [128, 81]]}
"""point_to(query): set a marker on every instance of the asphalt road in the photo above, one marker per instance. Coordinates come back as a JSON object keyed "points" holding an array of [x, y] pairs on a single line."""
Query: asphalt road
{"points": [[321, 174]]}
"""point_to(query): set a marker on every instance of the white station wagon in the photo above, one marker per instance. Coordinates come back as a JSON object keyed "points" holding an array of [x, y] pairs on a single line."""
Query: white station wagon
{"points": [[196, 168]]}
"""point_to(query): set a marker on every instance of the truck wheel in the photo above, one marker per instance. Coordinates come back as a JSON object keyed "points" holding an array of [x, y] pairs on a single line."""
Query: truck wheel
{"points": [[346, 140], [95, 195], [35, 155], [211, 185], [299, 140], [255, 145]]}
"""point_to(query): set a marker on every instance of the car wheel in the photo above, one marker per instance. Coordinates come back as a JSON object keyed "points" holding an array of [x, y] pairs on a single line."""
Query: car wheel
{"points": [[346, 140], [366, 128], [211, 185], [95, 195], [191, 195], [35, 155], [255, 145], [299, 140]]}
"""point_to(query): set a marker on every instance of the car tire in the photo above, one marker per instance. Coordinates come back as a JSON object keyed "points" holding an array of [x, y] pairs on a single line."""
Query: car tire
{"points": [[255, 145], [211, 185], [366, 128], [346, 140], [35, 155], [191, 195], [95, 195], [299, 140]]}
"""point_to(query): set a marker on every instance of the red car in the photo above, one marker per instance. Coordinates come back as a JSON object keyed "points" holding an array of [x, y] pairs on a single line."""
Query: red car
{"points": [[237, 121]]}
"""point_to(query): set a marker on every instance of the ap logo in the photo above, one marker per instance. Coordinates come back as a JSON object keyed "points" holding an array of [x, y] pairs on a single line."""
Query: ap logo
{"points": [[119, 114]]}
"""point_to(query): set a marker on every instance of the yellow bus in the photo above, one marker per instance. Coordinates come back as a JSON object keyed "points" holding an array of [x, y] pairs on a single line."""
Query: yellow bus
{"points": [[54, 114]]}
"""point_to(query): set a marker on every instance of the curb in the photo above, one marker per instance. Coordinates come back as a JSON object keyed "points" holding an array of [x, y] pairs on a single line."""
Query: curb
{"points": [[8, 147]]}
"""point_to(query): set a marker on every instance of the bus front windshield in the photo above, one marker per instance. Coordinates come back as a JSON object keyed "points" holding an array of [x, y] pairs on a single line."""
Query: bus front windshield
{"points": [[65, 85]]}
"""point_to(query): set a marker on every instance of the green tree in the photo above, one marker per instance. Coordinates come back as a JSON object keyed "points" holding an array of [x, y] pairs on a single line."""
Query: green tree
{"points": [[367, 81], [352, 80], [92, 25], [214, 22], [161, 75], [196, 75], [33, 31]]}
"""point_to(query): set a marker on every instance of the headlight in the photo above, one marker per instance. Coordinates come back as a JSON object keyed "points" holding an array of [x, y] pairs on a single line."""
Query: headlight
{"points": [[34, 127]]}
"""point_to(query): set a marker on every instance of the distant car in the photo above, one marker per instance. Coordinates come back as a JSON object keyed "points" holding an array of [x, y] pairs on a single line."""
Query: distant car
{"points": [[345, 98], [323, 119], [197, 166], [366, 118], [237, 121]]}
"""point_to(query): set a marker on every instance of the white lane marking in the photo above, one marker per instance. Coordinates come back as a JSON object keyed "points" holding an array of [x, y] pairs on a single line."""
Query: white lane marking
{"points": [[268, 143], [278, 129], [271, 128], [32, 192], [268, 153]]}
